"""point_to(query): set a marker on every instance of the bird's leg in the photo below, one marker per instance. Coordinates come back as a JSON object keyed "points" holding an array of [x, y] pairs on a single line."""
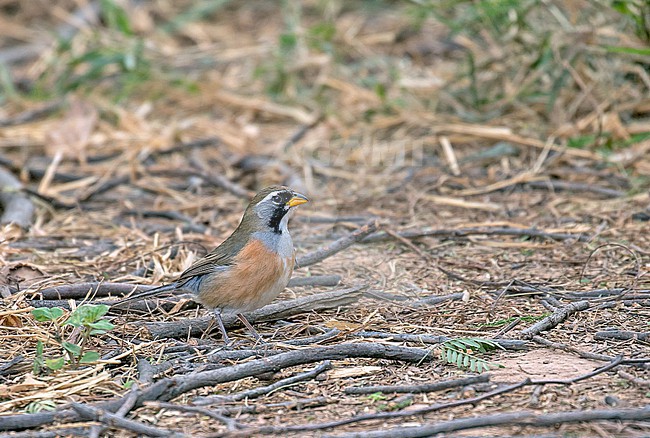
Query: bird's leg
{"points": [[217, 316], [250, 328]]}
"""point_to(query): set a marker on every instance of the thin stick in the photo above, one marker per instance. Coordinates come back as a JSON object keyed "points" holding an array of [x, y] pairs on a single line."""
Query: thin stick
{"points": [[508, 344], [338, 245], [417, 389], [230, 423], [471, 231]]}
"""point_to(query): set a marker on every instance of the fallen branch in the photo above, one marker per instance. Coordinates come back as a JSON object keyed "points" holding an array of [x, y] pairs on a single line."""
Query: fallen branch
{"points": [[230, 423], [300, 403], [508, 344], [338, 245], [332, 333], [435, 299], [272, 312], [170, 388], [315, 280], [636, 380], [17, 208], [529, 419], [621, 335], [129, 402], [145, 306], [80, 291], [257, 392], [113, 420], [417, 389], [94, 289], [471, 231], [560, 315], [600, 293]]}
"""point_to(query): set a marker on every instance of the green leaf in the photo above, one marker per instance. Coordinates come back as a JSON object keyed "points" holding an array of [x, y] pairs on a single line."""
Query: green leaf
{"points": [[41, 405], [116, 17], [55, 364], [102, 324], [72, 348], [86, 314], [471, 343], [89, 356], [43, 314], [56, 312], [640, 51]]}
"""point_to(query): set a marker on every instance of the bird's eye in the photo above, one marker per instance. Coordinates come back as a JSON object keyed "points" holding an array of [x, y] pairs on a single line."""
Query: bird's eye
{"points": [[276, 199]]}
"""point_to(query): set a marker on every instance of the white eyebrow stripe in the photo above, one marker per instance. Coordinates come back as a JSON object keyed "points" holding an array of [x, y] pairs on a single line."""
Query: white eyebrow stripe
{"points": [[270, 195]]}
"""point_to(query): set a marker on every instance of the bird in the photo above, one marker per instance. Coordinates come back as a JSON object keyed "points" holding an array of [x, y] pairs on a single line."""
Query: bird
{"points": [[250, 268]]}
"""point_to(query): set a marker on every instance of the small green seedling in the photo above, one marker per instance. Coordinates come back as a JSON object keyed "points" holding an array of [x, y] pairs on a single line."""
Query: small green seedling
{"points": [[88, 319], [376, 396]]}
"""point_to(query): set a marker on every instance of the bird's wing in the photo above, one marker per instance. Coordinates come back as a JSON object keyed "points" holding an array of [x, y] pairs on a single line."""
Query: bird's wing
{"points": [[219, 259]]}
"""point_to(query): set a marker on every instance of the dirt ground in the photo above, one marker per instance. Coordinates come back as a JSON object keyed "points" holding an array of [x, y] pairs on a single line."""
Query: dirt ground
{"points": [[504, 159]]}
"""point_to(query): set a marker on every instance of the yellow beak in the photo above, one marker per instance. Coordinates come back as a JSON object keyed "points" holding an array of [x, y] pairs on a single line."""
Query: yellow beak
{"points": [[297, 200]]}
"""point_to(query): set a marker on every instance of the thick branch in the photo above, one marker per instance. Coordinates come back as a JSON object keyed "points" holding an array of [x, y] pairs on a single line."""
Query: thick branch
{"points": [[557, 317], [80, 291], [17, 208], [272, 312], [621, 335]]}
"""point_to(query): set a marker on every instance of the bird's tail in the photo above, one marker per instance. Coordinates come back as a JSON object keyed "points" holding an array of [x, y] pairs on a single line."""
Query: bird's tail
{"points": [[148, 293]]}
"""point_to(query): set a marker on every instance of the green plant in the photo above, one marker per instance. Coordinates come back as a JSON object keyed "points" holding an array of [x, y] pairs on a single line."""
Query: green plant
{"points": [[40, 405], [639, 12], [376, 396], [87, 318], [110, 53], [462, 353]]}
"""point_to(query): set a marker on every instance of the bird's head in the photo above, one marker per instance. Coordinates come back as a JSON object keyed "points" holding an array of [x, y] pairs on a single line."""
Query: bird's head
{"points": [[271, 208]]}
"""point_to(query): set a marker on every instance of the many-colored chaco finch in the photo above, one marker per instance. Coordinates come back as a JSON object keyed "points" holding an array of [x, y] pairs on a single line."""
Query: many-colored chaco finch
{"points": [[251, 267]]}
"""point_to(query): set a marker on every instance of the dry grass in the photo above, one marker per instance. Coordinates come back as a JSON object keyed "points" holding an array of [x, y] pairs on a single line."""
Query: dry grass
{"points": [[446, 118]]}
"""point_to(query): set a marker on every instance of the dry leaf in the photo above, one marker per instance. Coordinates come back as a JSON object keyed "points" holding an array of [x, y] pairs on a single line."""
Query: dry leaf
{"points": [[342, 373], [20, 274], [10, 321], [343, 325]]}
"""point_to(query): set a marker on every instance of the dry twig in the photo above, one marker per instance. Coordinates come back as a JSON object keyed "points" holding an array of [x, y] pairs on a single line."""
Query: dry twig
{"points": [[280, 310]]}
